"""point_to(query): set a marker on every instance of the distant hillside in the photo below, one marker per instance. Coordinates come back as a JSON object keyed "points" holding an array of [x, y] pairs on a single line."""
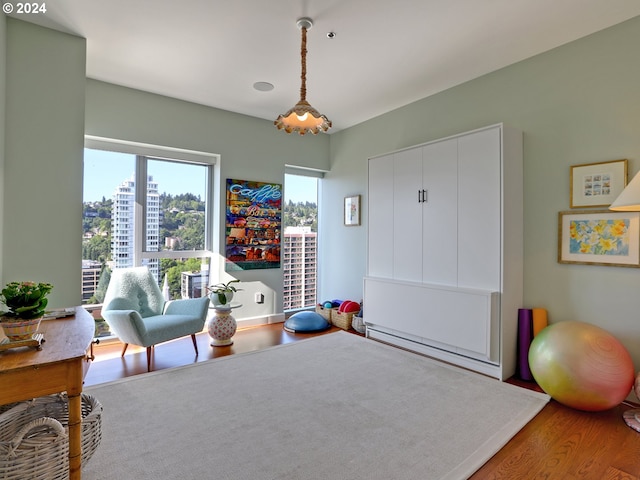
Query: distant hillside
{"points": [[300, 215]]}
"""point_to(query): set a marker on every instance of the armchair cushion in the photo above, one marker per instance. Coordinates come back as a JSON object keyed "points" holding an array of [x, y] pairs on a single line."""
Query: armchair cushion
{"points": [[134, 289], [187, 306], [149, 331]]}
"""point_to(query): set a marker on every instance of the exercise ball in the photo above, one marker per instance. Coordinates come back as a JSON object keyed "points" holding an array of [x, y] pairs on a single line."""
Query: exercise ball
{"points": [[581, 366], [306, 321]]}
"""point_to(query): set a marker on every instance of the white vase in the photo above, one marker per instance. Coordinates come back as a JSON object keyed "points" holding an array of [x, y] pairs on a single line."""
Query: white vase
{"points": [[215, 300], [222, 327]]}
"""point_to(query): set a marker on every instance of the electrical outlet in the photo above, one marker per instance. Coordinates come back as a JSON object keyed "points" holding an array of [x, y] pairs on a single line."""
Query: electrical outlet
{"points": [[259, 297]]}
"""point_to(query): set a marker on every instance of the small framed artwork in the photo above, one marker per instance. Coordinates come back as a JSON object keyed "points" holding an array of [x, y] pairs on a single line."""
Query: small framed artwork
{"points": [[352, 210], [597, 184], [599, 237]]}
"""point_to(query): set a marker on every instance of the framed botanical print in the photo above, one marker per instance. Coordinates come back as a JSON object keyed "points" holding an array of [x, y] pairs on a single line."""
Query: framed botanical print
{"points": [[352, 210]]}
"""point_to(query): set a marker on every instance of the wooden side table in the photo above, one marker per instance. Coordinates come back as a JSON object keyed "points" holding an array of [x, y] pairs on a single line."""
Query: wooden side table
{"points": [[26, 373]]}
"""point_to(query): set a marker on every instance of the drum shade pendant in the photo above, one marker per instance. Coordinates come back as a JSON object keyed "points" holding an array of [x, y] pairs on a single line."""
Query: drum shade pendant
{"points": [[303, 118]]}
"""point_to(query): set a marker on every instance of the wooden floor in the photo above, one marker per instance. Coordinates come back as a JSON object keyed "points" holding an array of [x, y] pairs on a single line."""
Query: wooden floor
{"points": [[559, 443]]}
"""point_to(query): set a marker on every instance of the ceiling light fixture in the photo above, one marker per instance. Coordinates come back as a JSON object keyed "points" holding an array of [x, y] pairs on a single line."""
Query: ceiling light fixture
{"points": [[303, 118], [263, 86]]}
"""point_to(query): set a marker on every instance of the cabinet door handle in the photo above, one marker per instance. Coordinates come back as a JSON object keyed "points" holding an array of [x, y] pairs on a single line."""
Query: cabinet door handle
{"points": [[424, 196], [420, 196]]}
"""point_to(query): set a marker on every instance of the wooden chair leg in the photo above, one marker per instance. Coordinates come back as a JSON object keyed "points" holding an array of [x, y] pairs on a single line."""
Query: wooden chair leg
{"points": [[124, 349], [195, 344], [149, 358]]}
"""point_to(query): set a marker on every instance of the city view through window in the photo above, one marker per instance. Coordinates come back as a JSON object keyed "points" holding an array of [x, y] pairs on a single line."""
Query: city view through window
{"points": [[300, 220], [171, 239]]}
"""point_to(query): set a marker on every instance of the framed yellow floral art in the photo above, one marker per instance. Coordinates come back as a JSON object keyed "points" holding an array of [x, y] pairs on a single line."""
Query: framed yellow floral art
{"points": [[599, 237]]}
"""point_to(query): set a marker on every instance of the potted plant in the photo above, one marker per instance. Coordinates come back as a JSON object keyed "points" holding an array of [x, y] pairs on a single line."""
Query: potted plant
{"points": [[222, 293], [26, 303]]}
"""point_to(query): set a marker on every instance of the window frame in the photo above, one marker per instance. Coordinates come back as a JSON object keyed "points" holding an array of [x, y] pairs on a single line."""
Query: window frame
{"points": [[143, 153]]}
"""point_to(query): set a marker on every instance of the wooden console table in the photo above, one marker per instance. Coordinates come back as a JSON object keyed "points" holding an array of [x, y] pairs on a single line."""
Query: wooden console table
{"points": [[26, 373]]}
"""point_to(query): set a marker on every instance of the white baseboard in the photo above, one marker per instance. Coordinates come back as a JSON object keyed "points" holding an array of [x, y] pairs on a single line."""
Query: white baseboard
{"points": [[489, 369], [260, 320]]}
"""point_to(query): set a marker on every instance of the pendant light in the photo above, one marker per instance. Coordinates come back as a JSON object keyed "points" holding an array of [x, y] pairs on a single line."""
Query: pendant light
{"points": [[303, 118]]}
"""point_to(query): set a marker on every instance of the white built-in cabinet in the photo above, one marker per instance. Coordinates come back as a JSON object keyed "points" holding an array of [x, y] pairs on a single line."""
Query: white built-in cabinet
{"points": [[445, 240]]}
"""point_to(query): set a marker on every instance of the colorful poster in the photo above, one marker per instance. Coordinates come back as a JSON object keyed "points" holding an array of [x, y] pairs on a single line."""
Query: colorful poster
{"points": [[253, 225]]}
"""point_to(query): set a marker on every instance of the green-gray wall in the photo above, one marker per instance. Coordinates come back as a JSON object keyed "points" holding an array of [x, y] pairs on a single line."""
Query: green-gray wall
{"points": [[44, 135], [3, 89], [579, 103]]}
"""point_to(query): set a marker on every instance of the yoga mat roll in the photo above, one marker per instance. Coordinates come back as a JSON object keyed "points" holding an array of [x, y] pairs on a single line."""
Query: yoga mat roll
{"points": [[525, 336], [540, 320]]}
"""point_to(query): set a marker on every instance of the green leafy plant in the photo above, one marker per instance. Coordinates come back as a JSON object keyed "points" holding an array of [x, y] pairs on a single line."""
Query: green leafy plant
{"points": [[223, 289], [25, 300]]}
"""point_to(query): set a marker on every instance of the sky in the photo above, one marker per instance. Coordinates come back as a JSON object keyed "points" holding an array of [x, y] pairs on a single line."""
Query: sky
{"points": [[300, 189], [104, 171]]}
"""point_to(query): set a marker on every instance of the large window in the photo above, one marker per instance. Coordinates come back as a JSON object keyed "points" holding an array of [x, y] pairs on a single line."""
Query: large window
{"points": [[161, 221], [300, 241]]}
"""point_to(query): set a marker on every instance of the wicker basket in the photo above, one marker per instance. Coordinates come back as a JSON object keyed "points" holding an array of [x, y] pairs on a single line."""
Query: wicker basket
{"points": [[327, 313], [342, 319], [34, 441]]}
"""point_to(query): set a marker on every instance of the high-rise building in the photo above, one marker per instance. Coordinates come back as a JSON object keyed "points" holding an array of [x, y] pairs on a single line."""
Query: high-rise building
{"points": [[299, 262], [193, 284], [122, 224], [90, 278]]}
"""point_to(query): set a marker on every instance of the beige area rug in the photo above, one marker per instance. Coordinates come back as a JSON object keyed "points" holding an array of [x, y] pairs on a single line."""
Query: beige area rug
{"points": [[337, 406]]}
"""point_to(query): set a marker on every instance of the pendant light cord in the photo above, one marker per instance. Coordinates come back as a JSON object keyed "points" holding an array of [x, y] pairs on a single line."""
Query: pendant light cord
{"points": [[303, 74]]}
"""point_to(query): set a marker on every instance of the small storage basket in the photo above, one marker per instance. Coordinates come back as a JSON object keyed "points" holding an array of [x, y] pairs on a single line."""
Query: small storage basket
{"points": [[327, 313], [342, 320], [34, 440]]}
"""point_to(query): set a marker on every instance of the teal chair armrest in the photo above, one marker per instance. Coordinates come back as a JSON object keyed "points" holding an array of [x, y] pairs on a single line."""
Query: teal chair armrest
{"points": [[128, 325], [196, 307]]}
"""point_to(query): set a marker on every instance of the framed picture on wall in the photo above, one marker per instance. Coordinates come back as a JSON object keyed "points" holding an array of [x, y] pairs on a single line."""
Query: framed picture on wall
{"points": [[599, 237], [597, 184], [352, 210], [253, 224]]}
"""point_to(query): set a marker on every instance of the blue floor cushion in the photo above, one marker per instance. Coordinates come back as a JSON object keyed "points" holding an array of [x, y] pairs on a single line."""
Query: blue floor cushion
{"points": [[306, 322]]}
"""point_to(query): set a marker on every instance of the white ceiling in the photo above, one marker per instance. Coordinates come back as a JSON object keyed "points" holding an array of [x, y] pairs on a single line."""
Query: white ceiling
{"points": [[385, 54]]}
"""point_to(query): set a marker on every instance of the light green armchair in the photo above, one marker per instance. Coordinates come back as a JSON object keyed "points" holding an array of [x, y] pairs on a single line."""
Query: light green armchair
{"points": [[138, 314]]}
